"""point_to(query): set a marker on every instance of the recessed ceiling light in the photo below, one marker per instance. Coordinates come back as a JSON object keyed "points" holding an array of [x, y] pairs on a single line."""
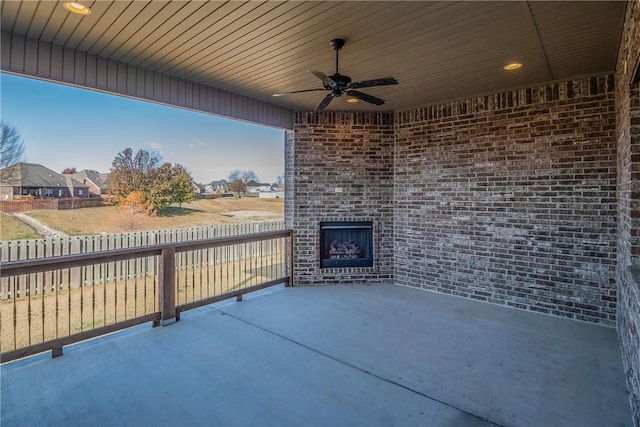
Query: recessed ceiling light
{"points": [[513, 66], [78, 8], [352, 100]]}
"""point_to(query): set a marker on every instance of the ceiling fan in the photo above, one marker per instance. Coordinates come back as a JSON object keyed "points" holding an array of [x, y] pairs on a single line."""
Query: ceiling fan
{"points": [[339, 84]]}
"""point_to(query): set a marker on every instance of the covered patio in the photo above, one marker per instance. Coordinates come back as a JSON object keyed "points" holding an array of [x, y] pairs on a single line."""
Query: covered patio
{"points": [[332, 356], [516, 189]]}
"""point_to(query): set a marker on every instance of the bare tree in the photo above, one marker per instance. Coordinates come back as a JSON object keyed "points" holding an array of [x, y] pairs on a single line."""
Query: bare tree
{"points": [[69, 171], [73, 204], [247, 176], [234, 175], [238, 180], [237, 186], [11, 148]]}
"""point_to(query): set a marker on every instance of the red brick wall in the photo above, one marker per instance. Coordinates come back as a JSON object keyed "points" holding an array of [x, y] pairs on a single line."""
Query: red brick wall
{"points": [[510, 199]]}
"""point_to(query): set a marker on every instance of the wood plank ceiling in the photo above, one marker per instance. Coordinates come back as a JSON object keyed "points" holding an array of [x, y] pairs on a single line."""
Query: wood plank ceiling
{"points": [[439, 51]]}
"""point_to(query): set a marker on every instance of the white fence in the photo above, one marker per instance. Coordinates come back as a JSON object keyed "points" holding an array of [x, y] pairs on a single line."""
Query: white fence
{"points": [[17, 250]]}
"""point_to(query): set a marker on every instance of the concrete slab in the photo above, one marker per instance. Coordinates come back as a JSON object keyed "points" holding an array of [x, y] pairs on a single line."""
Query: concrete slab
{"points": [[348, 355]]}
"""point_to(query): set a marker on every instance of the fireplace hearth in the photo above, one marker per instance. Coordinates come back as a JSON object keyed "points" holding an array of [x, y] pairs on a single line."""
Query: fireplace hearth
{"points": [[346, 244]]}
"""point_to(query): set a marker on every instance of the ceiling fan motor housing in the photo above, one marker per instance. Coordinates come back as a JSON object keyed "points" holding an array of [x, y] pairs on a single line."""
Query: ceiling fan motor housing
{"points": [[341, 81], [337, 44]]}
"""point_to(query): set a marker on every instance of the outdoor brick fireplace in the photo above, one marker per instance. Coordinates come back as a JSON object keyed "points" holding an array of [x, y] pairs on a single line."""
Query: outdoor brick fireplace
{"points": [[346, 244], [340, 168]]}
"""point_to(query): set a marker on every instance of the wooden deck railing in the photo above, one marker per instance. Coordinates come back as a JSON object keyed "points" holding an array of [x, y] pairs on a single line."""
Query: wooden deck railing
{"points": [[60, 305]]}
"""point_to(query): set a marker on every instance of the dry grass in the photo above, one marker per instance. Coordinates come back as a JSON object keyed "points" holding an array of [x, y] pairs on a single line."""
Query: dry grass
{"points": [[12, 228], [61, 310], [67, 302], [227, 210]]}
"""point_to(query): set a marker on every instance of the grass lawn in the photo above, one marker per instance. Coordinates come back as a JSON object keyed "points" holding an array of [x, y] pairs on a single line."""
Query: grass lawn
{"points": [[226, 210], [11, 228]]}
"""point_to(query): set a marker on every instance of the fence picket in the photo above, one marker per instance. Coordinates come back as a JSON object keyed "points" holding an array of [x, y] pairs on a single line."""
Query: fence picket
{"points": [[17, 250]]}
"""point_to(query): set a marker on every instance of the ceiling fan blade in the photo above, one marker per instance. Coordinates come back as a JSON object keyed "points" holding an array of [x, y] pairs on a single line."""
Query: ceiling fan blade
{"points": [[325, 79], [385, 81], [367, 98], [325, 102], [298, 91]]}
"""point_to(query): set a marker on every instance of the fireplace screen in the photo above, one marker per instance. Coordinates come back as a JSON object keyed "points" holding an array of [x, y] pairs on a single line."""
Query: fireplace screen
{"points": [[346, 244]]}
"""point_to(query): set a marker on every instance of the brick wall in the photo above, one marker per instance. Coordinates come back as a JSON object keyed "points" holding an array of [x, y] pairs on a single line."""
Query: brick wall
{"points": [[628, 142], [528, 198], [352, 152], [510, 199]]}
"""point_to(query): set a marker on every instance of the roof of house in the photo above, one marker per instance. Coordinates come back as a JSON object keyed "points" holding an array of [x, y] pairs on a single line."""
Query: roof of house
{"points": [[34, 175], [100, 180]]}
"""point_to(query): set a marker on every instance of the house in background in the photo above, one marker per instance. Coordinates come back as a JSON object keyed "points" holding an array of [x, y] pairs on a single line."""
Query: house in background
{"points": [[257, 187], [201, 188], [97, 182], [37, 181], [221, 185]]}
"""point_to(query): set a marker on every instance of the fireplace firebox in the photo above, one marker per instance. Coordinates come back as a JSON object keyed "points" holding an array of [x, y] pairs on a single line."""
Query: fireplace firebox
{"points": [[346, 244]]}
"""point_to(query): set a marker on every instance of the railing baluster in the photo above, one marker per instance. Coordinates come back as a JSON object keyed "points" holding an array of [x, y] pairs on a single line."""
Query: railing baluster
{"points": [[15, 314], [29, 307]]}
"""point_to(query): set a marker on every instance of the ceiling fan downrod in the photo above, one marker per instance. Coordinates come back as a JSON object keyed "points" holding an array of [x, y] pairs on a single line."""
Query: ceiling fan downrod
{"points": [[337, 44]]}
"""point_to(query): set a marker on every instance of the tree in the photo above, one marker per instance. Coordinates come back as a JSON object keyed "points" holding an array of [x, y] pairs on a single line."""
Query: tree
{"points": [[159, 191], [132, 209], [159, 185], [182, 186], [243, 175], [279, 181], [238, 180], [237, 186], [69, 171], [11, 147], [131, 172]]}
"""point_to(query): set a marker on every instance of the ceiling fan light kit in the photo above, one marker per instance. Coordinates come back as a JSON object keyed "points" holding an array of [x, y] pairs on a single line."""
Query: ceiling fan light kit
{"points": [[338, 84]]}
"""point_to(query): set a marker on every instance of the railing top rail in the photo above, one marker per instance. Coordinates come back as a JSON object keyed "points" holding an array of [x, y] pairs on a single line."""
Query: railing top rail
{"points": [[38, 265]]}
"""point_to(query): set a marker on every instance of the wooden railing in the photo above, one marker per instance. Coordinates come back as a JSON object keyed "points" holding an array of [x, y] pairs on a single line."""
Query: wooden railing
{"points": [[60, 306]]}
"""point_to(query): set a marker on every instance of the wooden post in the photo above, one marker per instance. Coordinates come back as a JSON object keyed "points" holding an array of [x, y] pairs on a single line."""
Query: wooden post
{"points": [[167, 286], [290, 259], [56, 352]]}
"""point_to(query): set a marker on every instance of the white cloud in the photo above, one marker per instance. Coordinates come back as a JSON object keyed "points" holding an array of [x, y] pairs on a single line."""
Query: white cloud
{"points": [[195, 144]]}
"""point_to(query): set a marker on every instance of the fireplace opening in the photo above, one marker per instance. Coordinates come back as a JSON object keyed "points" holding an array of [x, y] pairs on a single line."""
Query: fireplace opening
{"points": [[346, 244]]}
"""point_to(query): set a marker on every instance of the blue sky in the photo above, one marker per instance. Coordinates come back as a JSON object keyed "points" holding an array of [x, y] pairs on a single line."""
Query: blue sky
{"points": [[64, 126]]}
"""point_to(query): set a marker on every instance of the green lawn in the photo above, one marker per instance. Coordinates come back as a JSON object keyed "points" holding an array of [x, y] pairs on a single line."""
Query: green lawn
{"points": [[11, 228]]}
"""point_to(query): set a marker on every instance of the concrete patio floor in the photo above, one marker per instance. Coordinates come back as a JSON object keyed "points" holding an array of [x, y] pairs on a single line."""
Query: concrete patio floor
{"points": [[331, 356]]}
